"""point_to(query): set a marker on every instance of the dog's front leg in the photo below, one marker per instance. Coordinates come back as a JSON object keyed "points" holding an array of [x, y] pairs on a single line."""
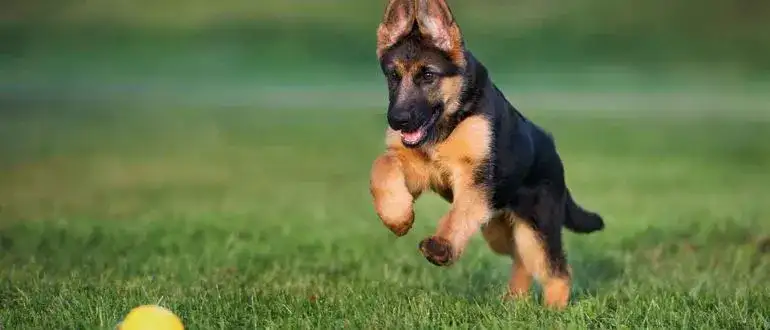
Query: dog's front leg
{"points": [[470, 209], [394, 184]]}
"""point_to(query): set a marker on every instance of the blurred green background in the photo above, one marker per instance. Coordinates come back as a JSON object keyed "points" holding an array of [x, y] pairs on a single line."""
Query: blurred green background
{"points": [[213, 157], [269, 51]]}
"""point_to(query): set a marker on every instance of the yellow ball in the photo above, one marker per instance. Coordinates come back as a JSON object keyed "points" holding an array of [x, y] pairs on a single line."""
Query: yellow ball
{"points": [[151, 317]]}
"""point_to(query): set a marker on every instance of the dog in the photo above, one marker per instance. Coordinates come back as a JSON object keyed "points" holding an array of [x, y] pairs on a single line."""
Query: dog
{"points": [[452, 131]]}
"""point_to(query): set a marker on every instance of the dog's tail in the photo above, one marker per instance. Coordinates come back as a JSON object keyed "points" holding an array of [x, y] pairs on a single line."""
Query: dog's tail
{"points": [[580, 220]]}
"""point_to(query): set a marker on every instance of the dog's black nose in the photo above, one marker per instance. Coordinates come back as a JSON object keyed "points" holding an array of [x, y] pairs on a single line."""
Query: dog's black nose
{"points": [[398, 120]]}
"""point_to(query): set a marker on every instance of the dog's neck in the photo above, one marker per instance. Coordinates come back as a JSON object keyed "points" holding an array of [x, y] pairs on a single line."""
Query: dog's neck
{"points": [[476, 88], [481, 95], [478, 84]]}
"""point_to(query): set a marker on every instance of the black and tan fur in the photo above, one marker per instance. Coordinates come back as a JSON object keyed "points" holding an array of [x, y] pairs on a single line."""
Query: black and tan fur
{"points": [[501, 172]]}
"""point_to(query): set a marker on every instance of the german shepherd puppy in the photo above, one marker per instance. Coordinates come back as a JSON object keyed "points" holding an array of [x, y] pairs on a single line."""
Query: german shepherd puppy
{"points": [[453, 132]]}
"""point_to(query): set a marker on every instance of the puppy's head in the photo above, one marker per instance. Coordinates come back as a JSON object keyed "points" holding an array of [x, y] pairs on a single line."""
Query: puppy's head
{"points": [[422, 56]]}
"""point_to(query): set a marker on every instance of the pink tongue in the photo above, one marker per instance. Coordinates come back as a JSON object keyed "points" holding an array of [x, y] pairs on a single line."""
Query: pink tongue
{"points": [[412, 137]]}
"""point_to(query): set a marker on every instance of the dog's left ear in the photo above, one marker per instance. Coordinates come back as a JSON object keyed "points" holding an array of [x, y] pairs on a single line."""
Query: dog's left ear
{"points": [[437, 23]]}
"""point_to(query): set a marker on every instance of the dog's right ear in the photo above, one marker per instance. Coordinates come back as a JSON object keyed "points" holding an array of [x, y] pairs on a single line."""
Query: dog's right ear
{"points": [[397, 22]]}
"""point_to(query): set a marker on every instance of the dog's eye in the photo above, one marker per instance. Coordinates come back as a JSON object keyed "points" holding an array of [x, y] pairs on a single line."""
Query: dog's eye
{"points": [[428, 77], [393, 75]]}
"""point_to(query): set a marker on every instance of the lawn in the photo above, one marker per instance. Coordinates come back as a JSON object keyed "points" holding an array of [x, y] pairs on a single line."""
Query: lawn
{"points": [[241, 217]]}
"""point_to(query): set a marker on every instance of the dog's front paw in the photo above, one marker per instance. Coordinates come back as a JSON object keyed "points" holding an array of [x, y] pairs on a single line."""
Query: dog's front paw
{"points": [[401, 229], [400, 226], [437, 250]]}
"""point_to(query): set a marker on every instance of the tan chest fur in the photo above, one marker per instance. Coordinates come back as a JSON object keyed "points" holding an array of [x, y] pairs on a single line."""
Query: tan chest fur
{"points": [[443, 166]]}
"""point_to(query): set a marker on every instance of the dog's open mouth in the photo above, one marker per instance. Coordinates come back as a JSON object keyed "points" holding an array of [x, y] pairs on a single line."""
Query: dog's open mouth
{"points": [[421, 134]]}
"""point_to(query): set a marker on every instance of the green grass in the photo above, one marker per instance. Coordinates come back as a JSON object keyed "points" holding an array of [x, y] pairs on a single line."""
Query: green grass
{"points": [[257, 218]]}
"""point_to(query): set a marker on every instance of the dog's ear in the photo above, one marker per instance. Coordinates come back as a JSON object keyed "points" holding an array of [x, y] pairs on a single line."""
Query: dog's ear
{"points": [[437, 23], [397, 22]]}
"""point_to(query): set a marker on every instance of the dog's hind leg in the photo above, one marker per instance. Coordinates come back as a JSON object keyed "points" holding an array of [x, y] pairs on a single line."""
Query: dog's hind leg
{"points": [[538, 242], [498, 234], [542, 256], [394, 184]]}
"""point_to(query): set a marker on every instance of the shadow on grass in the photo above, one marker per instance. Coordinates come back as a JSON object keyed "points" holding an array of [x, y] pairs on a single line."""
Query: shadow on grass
{"points": [[591, 275]]}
